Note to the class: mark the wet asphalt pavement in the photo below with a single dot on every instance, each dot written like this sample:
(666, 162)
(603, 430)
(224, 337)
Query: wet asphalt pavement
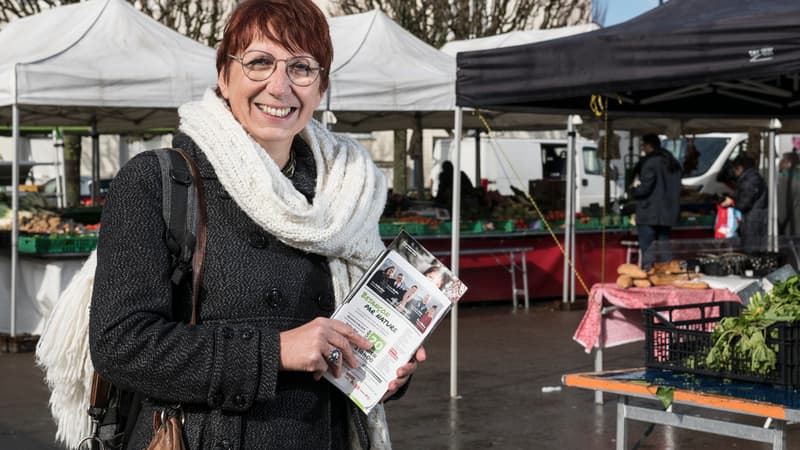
(504, 361)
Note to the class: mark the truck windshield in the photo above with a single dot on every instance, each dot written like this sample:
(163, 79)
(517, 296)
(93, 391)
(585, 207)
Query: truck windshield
(592, 164)
(696, 155)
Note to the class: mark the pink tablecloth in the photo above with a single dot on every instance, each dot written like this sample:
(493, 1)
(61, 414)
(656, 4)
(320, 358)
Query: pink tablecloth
(626, 324)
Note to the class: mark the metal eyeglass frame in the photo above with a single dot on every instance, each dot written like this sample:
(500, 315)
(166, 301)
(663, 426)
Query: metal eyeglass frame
(240, 60)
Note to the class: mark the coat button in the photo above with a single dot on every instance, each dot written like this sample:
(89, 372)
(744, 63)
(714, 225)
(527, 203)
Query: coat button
(274, 297)
(257, 239)
(216, 400)
(247, 334)
(324, 304)
(239, 400)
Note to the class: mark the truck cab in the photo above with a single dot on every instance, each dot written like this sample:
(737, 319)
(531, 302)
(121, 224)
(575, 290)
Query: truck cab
(713, 151)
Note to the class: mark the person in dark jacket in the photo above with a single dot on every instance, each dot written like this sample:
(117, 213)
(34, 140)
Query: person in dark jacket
(292, 216)
(750, 197)
(657, 191)
(789, 194)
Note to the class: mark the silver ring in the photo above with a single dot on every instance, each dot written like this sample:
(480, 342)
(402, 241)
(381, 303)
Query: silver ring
(334, 356)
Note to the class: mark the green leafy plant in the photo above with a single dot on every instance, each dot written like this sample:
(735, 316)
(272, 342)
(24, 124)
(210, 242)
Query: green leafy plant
(742, 340)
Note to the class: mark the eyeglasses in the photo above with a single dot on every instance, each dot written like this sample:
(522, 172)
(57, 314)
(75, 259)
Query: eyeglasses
(258, 66)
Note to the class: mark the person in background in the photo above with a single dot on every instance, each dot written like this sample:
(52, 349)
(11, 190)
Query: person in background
(789, 194)
(292, 218)
(750, 197)
(470, 197)
(657, 190)
(691, 159)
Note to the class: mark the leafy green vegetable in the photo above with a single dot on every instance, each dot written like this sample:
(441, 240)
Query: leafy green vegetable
(665, 394)
(740, 343)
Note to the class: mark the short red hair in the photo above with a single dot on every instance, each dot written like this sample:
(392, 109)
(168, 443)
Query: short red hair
(297, 25)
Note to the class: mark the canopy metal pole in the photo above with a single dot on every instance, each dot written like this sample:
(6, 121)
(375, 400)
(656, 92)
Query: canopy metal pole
(455, 158)
(565, 288)
(14, 217)
(58, 145)
(772, 210)
(574, 206)
(95, 191)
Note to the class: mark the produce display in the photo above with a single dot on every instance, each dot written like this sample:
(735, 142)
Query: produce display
(43, 231)
(506, 213)
(749, 336)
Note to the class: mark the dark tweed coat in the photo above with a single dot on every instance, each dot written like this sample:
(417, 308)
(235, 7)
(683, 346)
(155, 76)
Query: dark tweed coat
(225, 370)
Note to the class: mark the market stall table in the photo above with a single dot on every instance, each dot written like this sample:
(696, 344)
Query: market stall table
(775, 405)
(613, 314)
(514, 262)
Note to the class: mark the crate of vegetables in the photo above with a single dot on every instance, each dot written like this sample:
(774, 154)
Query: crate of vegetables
(757, 343)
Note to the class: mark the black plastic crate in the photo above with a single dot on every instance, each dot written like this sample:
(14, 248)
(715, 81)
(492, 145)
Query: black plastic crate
(678, 338)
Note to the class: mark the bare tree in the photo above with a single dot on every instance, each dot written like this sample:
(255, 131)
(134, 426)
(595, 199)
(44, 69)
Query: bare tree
(201, 20)
(439, 21)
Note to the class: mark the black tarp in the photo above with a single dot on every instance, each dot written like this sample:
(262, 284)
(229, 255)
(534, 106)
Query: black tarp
(686, 58)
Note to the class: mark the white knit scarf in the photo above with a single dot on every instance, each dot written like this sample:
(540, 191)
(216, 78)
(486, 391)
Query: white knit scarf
(342, 221)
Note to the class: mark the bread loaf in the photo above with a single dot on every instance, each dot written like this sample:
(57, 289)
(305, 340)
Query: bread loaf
(663, 279)
(631, 270)
(624, 281)
(673, 266)
(691, 284)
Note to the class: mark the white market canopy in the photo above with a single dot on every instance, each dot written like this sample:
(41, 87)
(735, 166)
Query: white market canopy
(383, 77)
(99, 60)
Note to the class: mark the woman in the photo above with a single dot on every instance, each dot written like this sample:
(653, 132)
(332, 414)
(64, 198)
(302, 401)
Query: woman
(292, 221)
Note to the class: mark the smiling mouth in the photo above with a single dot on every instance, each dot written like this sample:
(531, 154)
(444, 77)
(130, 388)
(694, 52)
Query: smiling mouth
(276, 112)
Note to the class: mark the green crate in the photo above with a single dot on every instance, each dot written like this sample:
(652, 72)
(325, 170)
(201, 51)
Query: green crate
(33, 244)
(505, 225)
(413, 227)
(45, 244)
(85, 244)
(388, 229)
(393, 228)
(440, 228)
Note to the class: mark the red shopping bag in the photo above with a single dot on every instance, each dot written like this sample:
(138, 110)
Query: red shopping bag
(727, 222)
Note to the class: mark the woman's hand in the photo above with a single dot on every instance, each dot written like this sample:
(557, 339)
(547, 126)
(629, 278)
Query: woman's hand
(307, 347)
(404, 373)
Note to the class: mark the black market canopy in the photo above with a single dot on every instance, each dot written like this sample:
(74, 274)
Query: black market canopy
(686, 58)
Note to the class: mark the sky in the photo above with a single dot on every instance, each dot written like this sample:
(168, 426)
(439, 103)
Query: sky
(621, 10)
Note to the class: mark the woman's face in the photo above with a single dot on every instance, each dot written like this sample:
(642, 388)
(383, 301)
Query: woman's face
(271, 111)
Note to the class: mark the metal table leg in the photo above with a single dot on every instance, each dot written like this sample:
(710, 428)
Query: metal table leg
(525, 280)
(622, 428)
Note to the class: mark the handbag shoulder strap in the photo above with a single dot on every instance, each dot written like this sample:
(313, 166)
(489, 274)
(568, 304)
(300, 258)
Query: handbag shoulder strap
(185, 216)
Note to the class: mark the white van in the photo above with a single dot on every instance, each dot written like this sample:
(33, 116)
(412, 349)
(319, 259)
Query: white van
(507, 162)
(714, 150)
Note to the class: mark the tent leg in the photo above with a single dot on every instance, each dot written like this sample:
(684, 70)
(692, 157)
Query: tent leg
(565, 294)
(15, 220)
(456, 231)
